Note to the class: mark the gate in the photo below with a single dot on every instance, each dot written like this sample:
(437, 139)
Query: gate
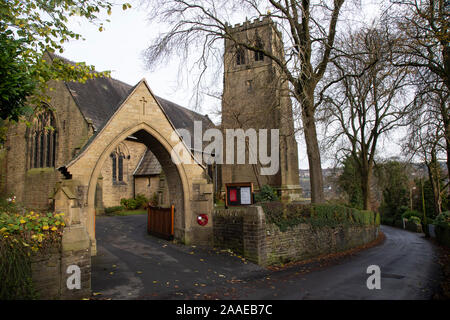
(160, 222)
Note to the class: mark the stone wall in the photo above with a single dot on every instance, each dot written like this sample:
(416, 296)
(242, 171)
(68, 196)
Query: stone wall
(228, 229)
(304, 241)
(242, 230)
(49, 269)
(245, 231)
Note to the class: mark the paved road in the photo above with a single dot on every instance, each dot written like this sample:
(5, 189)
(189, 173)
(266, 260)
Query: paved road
(133, 265)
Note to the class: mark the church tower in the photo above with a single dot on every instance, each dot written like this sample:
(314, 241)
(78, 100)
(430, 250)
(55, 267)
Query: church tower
(256, 96)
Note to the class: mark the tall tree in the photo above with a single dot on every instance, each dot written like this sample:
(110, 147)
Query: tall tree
(308, 28)
(427, 134)
(369, 101)
(424, 26)
(16, 81)
(392, 179)
(28, 29)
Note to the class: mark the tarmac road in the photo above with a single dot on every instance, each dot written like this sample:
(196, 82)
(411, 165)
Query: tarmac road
(130, 264)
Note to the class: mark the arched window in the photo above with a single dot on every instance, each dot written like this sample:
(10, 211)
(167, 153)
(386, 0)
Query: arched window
(114, 166)
(43, 141)
(259, 55)
(240, 56)
(118, 167)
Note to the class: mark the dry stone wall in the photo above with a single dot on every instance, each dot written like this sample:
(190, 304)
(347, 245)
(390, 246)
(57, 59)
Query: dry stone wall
(245, 231)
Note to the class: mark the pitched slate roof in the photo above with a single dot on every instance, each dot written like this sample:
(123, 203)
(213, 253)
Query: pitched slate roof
(148, 165)
(99, 98)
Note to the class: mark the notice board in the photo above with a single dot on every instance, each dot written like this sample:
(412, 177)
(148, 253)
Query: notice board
(239, 194)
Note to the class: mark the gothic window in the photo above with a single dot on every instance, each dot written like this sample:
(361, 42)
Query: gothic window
(120, 169)
(118, 166)
(43, 139)
(114, 166)
(240, 56)
(259, 56)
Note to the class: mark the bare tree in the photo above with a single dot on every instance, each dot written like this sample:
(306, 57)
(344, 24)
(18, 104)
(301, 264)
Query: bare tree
(308, 30)
(427, 137)
(369, 101)
(424, 26)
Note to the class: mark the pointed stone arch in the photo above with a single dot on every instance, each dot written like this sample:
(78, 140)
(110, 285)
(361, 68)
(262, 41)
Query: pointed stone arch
(189, 189)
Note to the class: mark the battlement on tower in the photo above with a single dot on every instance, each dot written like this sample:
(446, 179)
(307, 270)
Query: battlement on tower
(256, 23)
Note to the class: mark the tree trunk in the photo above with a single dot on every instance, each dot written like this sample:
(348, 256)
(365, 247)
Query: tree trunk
(365, 185)
(446, 118)
(433, 173)
(312, 149)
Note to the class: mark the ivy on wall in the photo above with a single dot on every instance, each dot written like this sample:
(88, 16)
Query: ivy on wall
(317, 215)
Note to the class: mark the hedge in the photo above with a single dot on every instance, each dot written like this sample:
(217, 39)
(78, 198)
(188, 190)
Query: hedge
(110, 210)
(288, 215)
(442, 228)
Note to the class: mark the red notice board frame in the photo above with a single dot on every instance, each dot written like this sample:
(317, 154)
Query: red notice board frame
(237, 187)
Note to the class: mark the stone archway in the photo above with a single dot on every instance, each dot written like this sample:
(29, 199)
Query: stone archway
(140, 116)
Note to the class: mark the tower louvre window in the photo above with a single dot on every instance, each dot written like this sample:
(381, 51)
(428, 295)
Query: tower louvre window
(259, 55)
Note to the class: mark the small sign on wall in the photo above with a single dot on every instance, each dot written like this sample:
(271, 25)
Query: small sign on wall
(239, 194)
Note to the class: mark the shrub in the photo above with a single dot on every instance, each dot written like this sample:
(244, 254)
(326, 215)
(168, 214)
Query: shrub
(274, 211)
(154, 201)
(443, 219)
(267, 193)
(414, 219)
(132, 204)
(443, 234)
(113, 209)
(22, 235)
(129, 204)
(141, 201)
(412, 213)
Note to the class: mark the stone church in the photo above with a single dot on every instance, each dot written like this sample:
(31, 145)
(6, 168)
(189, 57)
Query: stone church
(78, 111)
(255, 96)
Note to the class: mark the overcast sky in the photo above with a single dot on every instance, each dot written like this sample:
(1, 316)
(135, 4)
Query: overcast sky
(119, 49)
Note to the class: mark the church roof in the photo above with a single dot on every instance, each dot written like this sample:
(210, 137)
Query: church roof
(99, 98)
(148, 165)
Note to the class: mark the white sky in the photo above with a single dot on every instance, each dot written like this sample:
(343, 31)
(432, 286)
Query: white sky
(119, 49)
